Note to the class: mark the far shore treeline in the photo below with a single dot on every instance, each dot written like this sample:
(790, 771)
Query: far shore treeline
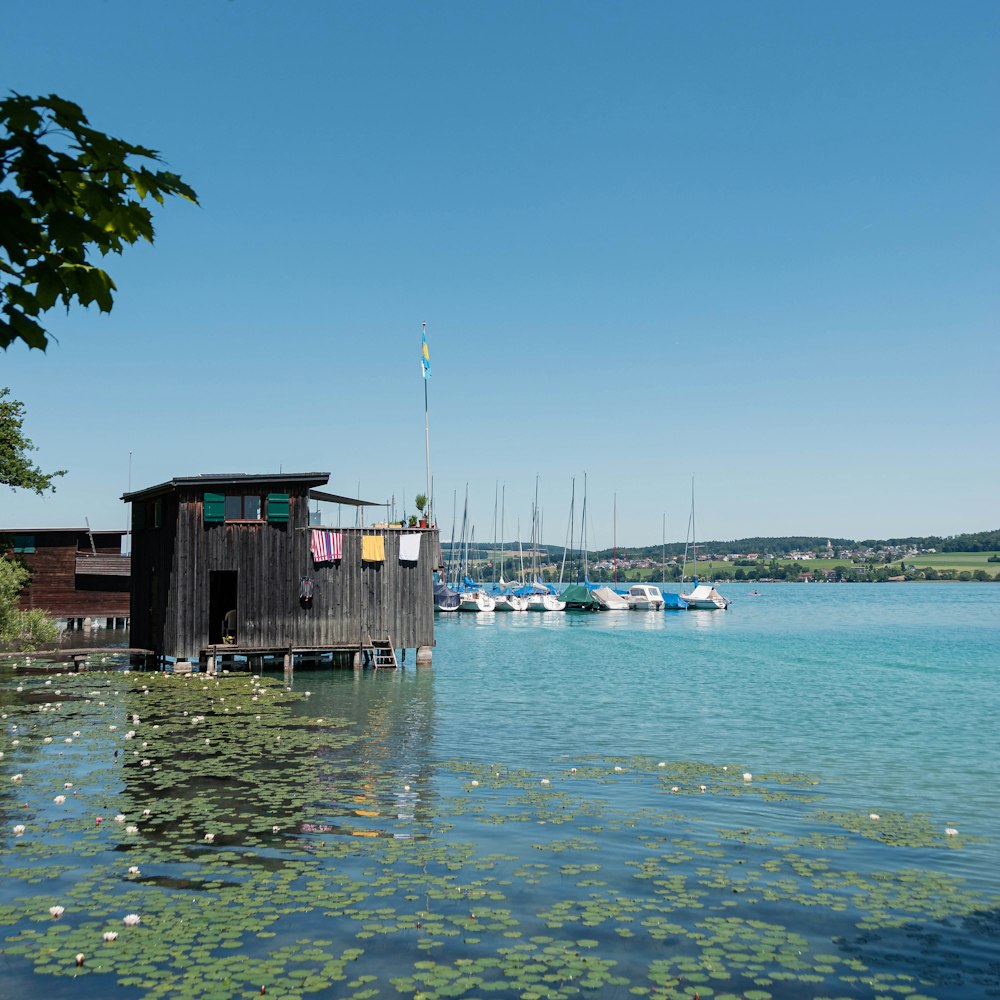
(965, 557)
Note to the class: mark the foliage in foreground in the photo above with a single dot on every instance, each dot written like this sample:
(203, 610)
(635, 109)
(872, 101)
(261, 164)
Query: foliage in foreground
(16, 469)
(67, 192)
(21, 630)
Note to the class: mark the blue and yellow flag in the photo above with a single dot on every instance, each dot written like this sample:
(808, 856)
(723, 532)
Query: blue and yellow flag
(425, 355)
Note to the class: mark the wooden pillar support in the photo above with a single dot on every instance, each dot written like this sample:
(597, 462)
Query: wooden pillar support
(424, 656)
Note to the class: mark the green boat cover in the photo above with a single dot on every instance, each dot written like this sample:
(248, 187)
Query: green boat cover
(577, 596)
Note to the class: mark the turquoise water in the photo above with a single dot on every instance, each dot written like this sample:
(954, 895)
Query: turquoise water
(556, 808)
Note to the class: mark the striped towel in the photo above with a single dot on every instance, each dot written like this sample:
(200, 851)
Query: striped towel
(326, 546)
(373, 548)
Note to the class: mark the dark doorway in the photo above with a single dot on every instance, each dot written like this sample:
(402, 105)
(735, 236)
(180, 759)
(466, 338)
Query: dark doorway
(223, 620)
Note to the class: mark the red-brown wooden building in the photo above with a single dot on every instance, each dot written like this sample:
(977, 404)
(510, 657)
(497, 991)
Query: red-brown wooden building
(75, 573)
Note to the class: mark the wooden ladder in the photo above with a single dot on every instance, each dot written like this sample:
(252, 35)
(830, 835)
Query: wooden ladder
(383, 653)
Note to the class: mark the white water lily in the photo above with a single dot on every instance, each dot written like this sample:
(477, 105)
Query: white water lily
(110, 936)
(874, 817)
(209, 838)
(120, 818)
(474, 783)
(59, 800)
(19, 830)
(56, 911)
(131, 829)
(618, 767)
(16, 777)
(146, 762)
(134, 870)
(131, 919)
(675, 789)
(67, 784)
(704, 788)
(950, 831)
(48, 739)
(662, 763)
(747, 776)
(545, 781)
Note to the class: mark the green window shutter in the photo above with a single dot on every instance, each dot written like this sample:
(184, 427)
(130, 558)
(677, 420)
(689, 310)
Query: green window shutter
(214, 508)
(138, 515)
(277, 508)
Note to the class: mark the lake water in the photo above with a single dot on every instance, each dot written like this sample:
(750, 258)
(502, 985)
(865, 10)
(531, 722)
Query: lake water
(752, 803)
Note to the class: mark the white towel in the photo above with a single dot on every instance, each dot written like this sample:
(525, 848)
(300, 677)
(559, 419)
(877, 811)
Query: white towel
(409, 547)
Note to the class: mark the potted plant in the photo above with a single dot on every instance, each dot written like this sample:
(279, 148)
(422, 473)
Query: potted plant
(413, 520)
(421, 501)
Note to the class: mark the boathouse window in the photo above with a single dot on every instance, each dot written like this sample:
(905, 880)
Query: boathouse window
(24, 543)
(219, 507)
(241, 507)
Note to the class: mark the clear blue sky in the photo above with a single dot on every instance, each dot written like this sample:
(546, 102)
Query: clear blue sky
(752, 243)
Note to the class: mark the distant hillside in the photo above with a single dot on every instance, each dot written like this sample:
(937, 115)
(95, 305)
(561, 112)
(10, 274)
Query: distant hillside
(785, 545)
(980, 541)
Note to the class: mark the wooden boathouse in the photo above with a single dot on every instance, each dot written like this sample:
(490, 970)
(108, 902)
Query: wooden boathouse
(76, 574)
(229, 566)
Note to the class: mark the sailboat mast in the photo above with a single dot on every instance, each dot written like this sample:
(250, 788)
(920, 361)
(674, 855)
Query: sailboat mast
(569, 532)
(425, 365)
(614, 535)
(496, 491)
(694, 533)
(503, 503)
(663, 552)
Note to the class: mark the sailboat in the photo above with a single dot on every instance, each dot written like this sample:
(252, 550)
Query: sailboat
(504, 598)
(609, 598)
(577, 596)
(703, 597)
(471, 596)
(537, 594)
(445, 599)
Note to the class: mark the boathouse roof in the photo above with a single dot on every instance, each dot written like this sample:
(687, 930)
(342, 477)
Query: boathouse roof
(242, 479)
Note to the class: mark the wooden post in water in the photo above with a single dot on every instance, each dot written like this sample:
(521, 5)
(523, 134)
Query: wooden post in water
(424, 656)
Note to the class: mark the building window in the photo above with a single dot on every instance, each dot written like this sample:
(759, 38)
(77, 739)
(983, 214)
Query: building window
(243, 508)
(24, 543)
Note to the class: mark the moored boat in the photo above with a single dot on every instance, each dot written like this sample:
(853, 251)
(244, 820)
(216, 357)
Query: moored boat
(644, 597)
(445, 599)
(578, 597)
(545, 602)
(610, 600)
(705, 597)
(509, 602)
(476, 600)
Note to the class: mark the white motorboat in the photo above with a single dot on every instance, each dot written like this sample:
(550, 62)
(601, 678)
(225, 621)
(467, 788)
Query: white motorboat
(476, 600)
(644, 597)
(609, 600)
(705, 597)
(509, 602)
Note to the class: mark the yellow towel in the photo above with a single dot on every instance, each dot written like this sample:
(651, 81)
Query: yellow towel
(373, 548)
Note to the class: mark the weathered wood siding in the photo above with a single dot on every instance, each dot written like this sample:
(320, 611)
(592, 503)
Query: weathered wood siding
(351, 600)
(60, 584)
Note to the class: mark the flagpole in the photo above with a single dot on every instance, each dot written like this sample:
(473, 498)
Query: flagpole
(427, 424)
